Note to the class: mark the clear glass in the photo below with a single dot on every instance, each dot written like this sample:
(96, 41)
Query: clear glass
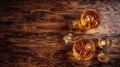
(104, 43)
(103, 56)
(83, 49)
(88, 19)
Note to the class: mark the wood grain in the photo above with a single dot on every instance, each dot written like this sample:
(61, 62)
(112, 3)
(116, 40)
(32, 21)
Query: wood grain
(32, 31)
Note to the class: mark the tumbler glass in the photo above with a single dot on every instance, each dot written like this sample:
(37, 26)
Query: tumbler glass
(83, 49)
(89, 19)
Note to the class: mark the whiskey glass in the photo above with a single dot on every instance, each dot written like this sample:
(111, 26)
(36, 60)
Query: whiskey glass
(83, 49)
(89, 19)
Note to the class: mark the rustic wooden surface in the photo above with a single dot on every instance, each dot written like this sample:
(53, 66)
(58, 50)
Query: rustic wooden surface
(31, 32)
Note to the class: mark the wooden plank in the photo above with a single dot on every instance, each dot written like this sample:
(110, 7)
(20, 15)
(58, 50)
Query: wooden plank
(32, 32)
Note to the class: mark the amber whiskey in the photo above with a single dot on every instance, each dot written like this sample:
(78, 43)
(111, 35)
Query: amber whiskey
(83, 49)
(103, 56)
(104, 43)
(88, 19)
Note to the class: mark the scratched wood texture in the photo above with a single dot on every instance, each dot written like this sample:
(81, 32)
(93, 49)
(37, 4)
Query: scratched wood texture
(31, 32)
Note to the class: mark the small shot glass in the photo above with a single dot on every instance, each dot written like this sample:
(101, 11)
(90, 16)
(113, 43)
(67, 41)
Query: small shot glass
(103, 56)
(104, 43)
(89, 19)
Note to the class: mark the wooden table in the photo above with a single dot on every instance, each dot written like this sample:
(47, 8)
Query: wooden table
(31, 32)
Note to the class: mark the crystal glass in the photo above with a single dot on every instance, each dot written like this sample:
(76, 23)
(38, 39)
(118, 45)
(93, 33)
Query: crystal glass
(103, 56)
(104, 43)
(88, 19)
(83, 49)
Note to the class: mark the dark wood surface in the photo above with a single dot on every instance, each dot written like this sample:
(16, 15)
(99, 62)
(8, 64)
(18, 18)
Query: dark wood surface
(31, 32)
